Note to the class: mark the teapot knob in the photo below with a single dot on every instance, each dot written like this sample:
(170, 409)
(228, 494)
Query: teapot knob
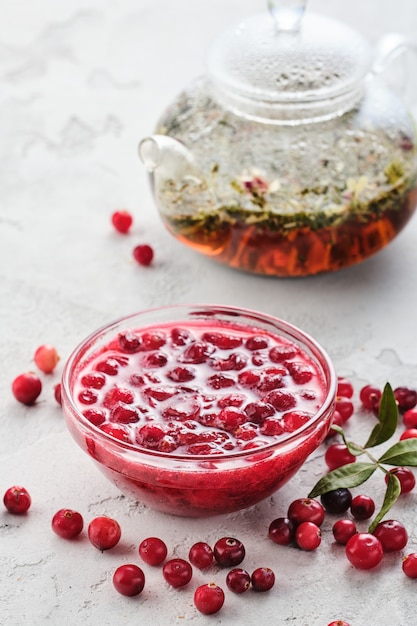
(287, 14)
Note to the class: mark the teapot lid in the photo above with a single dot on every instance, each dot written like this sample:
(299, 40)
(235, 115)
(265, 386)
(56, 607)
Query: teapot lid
(288, 57)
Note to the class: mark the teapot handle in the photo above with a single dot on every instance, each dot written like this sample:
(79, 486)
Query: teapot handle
(390, 47)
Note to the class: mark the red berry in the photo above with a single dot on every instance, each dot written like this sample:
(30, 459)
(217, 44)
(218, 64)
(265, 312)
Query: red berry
(129, 580)
(153, 550)
(229, 552)
(263, 579)
(122, 221)
(46, 358)
(201, 555)
(57, 393)
(409, 565)
(67, 523)
(410, 433)
(410, 418)
(392, 534)
(370, 396)
(406, 398)
(26, 388)
(238, 580)
(362, 507)
(344, 388)
(338, 455)
(281, 531)
(338, 622)
(336, 421)
(344, 407)
(405, 476)
(104, 533)
(143, 254)
(337, 500)
(364, 551)
(306, 510)
(307, 536)
(17, 500)
(177, 572)
(209, 598)
(343, 530)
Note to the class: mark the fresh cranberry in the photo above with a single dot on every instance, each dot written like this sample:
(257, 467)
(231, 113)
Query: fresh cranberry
(129, 580)
(410, 433)
(410, 418)
(67, 523)
(143, 254)
(201, 555)
(209, 598)
(306, 510)
(46, 358)
(406, 478)
(344, 407)
(153, 550)
(338, 622)
(238, 580)
(344, 388)
(262, 579)
(406, 398)
(409, 565)
(177, 572)
(17, 500)
(307, 536)
(122, 221)
(364, 551)
(104, 533)
(370, 396)
(362, 507)
(392, 535)
(337, 500)
(26, 388)
(281, 531)
(338, 455)
(58, 393)
(343, 530)
(229, 551)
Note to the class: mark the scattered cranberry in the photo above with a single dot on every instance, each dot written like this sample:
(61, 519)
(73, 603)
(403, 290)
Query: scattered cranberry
(209, 598)
(308, 536)
(362, 507)
(17, 500)
(143, 254)
(410, 433)
(122, 221)
(153, 550)
(344, 407)
(338, 622)
(406, 398)
(104, 533)
(336, 501)
(46, 358)
(67, 523)
(409, 565)
(410, 418)
(262, 579)
(344, 388)
(238, 580)
(338, 455)
(26, 388)
(392, 535)
(406, 478)
(281, 531)
(129, 580)
(364, 551)
(370, 396)
(229, 552)
(201, 555)
(177, 572)
(343, 530)
(306, 510)
(57, 393)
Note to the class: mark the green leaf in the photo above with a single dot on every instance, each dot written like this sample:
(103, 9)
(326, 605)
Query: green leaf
(350, 475)
(391, 495)
(401, 453)
(387, 419)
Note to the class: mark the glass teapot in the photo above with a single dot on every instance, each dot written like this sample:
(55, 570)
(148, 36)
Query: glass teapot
(292, 156)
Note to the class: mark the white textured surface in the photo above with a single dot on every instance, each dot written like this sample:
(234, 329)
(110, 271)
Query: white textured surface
(80, 83)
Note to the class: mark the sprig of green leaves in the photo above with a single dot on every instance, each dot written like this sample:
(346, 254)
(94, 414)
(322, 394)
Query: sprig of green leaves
(402, 453)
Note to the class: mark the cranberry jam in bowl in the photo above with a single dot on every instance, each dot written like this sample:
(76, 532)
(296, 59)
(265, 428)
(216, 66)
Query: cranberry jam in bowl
(199, 410)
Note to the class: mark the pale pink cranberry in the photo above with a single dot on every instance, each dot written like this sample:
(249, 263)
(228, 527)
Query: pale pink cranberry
(46, 358)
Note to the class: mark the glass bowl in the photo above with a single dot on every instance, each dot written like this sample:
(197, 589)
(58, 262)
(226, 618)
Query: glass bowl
(136, 372)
